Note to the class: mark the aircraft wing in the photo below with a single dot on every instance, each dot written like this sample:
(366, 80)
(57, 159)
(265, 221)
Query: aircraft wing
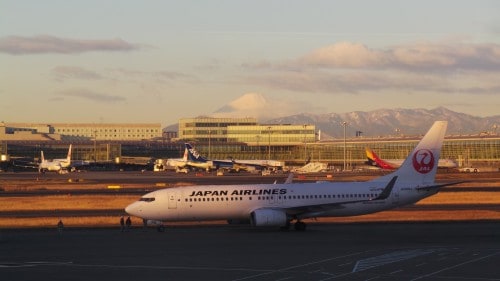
(437, 186)
(386, 192)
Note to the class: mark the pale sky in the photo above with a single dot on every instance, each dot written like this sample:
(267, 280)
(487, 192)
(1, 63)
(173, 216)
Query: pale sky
(158, 61)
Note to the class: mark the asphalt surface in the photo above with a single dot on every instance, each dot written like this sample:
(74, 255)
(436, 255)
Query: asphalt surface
(333, 251)
(370, 251)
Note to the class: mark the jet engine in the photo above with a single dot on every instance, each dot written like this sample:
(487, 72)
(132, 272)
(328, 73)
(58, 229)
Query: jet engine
(268, 217)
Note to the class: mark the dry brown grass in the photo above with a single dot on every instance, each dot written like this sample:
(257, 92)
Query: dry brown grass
(118, 201)
(463, 198)
(66, 202)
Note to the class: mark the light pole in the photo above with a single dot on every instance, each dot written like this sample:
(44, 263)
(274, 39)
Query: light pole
(258, 145)
(344, 124)
(209, 139)
(305, 143)
(95, 145)
(269, 143)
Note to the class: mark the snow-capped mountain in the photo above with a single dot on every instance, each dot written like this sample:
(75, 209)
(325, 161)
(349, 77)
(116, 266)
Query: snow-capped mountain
(385, 122)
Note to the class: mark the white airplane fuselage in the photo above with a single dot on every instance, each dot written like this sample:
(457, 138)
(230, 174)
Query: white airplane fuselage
(237, 202)
(279, 204)
(55, 165)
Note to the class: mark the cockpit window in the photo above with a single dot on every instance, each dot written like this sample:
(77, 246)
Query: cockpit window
(147, 199)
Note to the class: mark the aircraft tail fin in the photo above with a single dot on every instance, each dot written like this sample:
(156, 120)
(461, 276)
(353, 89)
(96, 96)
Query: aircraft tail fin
(185, 156)
(42, 158)
(421, 165)
(68, 157)
(373, 157)
(193, 155)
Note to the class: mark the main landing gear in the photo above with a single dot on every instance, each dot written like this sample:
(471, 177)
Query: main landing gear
(298, 226)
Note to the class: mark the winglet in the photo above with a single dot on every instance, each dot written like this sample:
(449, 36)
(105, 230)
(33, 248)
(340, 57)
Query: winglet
(387, 190)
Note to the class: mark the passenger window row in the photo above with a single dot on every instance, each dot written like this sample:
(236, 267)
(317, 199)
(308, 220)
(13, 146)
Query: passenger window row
(285, 197)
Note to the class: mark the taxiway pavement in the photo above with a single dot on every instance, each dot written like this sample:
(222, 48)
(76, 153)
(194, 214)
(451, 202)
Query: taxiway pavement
(367, 251)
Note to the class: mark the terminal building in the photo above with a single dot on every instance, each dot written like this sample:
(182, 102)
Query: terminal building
(224, 138)
(80, 131)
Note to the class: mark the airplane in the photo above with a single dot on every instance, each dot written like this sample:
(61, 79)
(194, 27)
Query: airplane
(180, 164)
(198, 161)
(193, 160)
(393, 164)
(56, 165)
(277, 205)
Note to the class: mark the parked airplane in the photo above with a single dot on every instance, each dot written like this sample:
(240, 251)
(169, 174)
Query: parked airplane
(193, 160)
(180, 164)
(55, 165)
(374, 160)
(235, 165)
(279, 205)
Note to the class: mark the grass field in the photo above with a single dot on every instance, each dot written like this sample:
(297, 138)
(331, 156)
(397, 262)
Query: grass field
(45, 210)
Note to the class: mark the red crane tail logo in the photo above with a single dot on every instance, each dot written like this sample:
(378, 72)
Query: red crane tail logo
(423, 161)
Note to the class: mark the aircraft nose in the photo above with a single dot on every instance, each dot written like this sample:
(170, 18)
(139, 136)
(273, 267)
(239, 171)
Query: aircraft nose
(133, 209)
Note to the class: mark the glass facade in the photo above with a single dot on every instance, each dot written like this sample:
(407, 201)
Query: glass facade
(207, 129)
(83, 131)
(272, 134)
(467, 152)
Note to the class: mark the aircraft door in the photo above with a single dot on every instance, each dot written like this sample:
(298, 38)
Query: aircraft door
(172, 200)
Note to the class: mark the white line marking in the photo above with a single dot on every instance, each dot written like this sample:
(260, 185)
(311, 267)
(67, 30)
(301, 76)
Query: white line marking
(298, 266)
(457, 265)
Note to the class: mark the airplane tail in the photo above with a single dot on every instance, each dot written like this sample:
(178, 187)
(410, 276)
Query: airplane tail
(421, 165)
(373, 158)
(42, 158)
(193, 155)
(68, 157)
(185, 156)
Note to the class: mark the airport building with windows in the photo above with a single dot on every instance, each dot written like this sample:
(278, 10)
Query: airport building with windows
(238, 138)
(222, 138)
(56, 131)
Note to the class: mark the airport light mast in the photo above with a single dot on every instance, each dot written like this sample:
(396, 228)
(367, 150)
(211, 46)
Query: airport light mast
(269, 143)
(344, 124)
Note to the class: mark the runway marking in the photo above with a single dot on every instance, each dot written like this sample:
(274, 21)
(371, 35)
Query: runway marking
(32, 264)
(298, 266)
(394, 272)
(170, 267)
(454, 266)
(389, 258)
(49, 263)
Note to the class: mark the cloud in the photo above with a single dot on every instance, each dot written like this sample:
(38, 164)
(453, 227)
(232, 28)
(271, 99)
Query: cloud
(348, 81)
(45, 44)
(157, 76)
(416, 57)
(92, 96)
(355, 68)
(171, 76)
(61, 73)
(261, 107)
(344, 55)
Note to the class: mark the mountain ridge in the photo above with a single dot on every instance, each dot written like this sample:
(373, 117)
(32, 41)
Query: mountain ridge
(385, 122)
(399, 121)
